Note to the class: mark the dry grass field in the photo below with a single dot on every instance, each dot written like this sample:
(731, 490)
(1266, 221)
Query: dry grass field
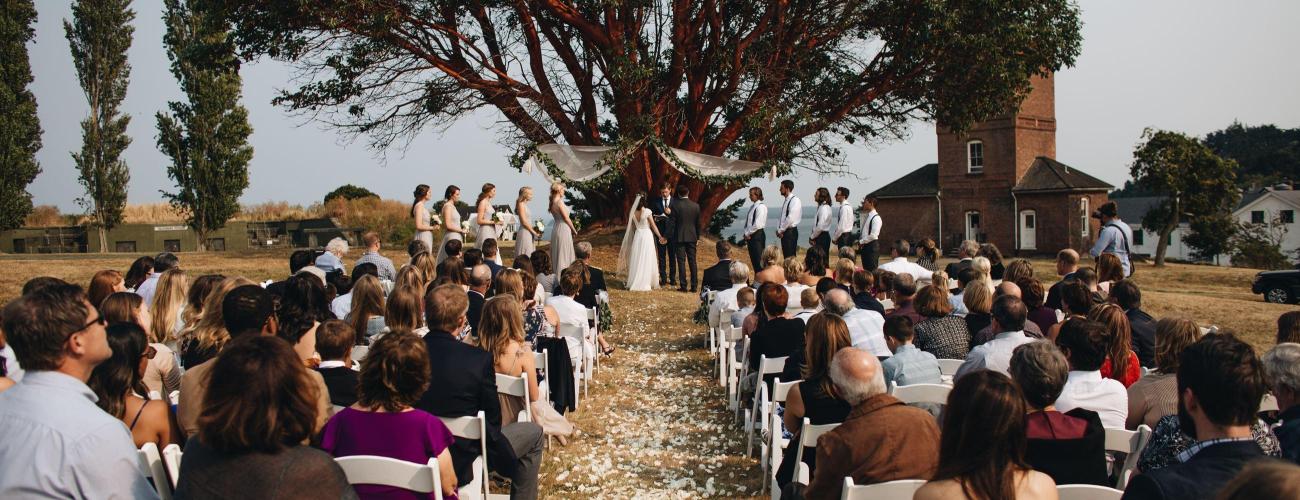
(654, 423)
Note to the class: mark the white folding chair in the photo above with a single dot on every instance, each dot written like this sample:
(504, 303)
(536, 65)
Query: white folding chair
(172, 460)
(1269, 403)
(718, 332)
(948, 368)
(542, 361)
(920, 393)
(887, 304)
(774, 447)
(808, 434)
(517, 387)
(737, 368)
(151, 464)
(727, 337)
(755, 422)
(385, 471)
(901, 489)
(359, 353)
(584, 359)
(1131, 443)
(472, 428)
(1087, 492)
(593, 318)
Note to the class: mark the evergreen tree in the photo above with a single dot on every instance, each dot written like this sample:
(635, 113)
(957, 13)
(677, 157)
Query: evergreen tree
(20, 129)
(99, 35)
(1195, 182)
(206, 137)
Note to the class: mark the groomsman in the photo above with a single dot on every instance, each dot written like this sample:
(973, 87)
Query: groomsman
(821, 232)
(686, 224)
(787, 228)
(661, 213)
(843, 223)
(755, 236)
(869, 243)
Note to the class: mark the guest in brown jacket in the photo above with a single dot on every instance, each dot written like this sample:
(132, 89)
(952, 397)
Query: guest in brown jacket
(881, 440)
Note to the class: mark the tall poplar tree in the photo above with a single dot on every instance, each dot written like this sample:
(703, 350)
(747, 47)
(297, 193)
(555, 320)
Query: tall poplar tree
(207, 136)
(99, 35)
(20, 129)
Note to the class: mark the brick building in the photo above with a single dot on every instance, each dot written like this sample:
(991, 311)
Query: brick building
(998, 182)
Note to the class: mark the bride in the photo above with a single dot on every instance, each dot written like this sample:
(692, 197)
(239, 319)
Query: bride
(637, 255)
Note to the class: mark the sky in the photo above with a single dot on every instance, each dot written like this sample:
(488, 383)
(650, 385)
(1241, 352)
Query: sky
(1189, 65)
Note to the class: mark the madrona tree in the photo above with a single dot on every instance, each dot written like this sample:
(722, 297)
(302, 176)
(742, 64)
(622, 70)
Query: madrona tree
(787, 83)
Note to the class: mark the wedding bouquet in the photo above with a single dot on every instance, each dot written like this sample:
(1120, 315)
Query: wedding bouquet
(496, 217)
(465, 226)
(435, 220)
(539, 226)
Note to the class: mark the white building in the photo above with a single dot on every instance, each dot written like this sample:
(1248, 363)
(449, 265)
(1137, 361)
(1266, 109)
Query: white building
(1131, 211)
(1278, 203)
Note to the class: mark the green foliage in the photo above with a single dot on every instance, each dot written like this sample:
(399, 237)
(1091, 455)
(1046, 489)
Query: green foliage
(725, 216)
(349, 192)
(1260, 245)
(1196, 182)
(20, 129)
(1211, 235)
(206, 137)
(99, 36)
(1266, 154)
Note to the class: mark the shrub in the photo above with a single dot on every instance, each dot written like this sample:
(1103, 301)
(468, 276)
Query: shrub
(390, 218)
(350, 192)
(1260, 246)
(45, 216)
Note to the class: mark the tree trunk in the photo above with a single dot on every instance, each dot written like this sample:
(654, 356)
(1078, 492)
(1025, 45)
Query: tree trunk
(103, 239)
(202, 244)
(1162, 246)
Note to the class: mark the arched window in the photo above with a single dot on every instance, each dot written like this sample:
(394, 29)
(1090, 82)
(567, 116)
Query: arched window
(975, 157)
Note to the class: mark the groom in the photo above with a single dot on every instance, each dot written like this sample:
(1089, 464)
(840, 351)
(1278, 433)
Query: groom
(685, 215)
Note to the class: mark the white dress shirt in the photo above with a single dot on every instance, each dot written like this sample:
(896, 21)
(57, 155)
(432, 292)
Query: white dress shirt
(901, 265)
(844, 223)
(341, 306)
(794, 292)
(993, 355)
(572, 313)
(724, 301)
(870, 227)
(757, 219)
(822, 223)
(867, 331)
(791, 212)
(1088, 390)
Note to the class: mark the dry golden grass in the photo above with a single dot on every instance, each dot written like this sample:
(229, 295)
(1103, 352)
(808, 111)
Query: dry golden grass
(151, 213)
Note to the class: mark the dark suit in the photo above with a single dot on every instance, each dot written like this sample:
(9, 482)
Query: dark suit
(1201, 476)
(718, 277)
(463, 383)
(667, 256)
(952, 269)
(475, 311)
(596, 283)
(1054, 292)
(686, 222)
(493, 266)
(342, 383)
(1143, 328)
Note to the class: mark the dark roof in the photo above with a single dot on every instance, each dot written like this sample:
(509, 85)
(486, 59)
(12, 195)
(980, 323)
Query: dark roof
(1133, 209)
(1048, 175)
(921, 182)
(1249, 197)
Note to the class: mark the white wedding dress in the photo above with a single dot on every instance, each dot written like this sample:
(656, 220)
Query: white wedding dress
(639, 250)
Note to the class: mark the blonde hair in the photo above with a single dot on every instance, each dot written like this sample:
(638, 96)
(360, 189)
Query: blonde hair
(771, 256)
(1173, 335)
(510, 282)
(403, 312)
(793, 269)
(168, 300)
(367, 301)
(523, 191)
(502, 322)
(410, 276)
(977, 297)
(556, 188)
(426, 263)
(982, 268)
(210, 330)
(844, 269)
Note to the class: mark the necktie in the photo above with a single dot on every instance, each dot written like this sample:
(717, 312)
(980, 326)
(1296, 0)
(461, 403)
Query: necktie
(753, 212)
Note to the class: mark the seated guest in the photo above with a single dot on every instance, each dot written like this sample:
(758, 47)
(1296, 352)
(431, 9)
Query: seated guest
(334, 341)
(367, 311)
(257, 414)
(593, 277)
(815, 266)
(137, 273)
(904, 440)
(1220, 383)
(745, 305)
(978, 300)
(462, 383)
(382, 421)
(416, 246)
(491, 254)
(982, 451)
(56, 441)
(162, 263)
(781, 335)
(480, 279)
(404, 312)
(298, 328)
(1155, 395)
(1076, 301)
(1007, 289)
(810, 304)
(384, 265)
(1009, 321)
(571, 313)
(996, 267)
(1288, 327)
(103, 284)
(844, 270)
(966, 251)
(903, 289)
(958, 297)
(814, 396)
(452, 248)
(161, 375)
(773, 270)
(542, 270)
(1168, 442)
(298, 260)
(1033, 294)
(332, 259)
(119, 381)
(927, 254)
(341, 306)
(863, 298)
(899, 264)
(1084, 344)
(794, 276)
(453, 269)
(1121, 362)
(1264, 479)
(1017, 270)
(203, 339)
(1067, 263)
(1069, 447)
(908, 365)
(825, 285)
(472, 257)
(502, 335)
(1282, 367)
(539, 319)
(1128, 296)
(724, 301)
(718, 276)
(940, 333)
(866, 327)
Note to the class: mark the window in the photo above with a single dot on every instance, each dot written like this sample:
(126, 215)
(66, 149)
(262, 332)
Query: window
(216, 244)
(20, 245)
(975, 157)
(171, 245)
(124, 247)
(1256, 216)
(1288, 216)
(1138, 237)
(1029, 220)
(1083, 218)
(1169, 240)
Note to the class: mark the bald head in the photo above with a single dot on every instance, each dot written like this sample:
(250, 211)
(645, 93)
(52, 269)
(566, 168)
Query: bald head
(857, 375)
(479, 277)
(838, 302)
(1007, 288)
(1067, 261)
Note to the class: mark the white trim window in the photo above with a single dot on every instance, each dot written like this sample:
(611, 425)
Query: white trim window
(975, 157)
(1084, 216)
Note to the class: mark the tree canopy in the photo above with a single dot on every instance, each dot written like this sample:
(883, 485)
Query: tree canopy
(786, 83)
(1195, 182)
(349, 192)
(1266, 154)
(20, 129)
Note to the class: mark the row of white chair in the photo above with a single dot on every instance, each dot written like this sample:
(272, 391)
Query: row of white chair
(904, 489)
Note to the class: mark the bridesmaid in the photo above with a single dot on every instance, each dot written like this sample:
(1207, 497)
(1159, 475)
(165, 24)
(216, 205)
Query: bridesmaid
(450, 221)
(423, 227)
(487, 228)
(562, 231)
(526, 234)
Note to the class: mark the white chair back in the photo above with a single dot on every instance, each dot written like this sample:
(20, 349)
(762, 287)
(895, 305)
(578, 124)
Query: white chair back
(581, 372)
(902, 489)
(517, 387)
(775, 445)
(808, 434)
(887, 304)
(1269, 403)
(472, 428)
(754, 416)
(172, 460)
(543, 363)
(151, 464)
(1087, 492)
(948, 367)
(385, 471)
(1131, 443)
(920, 393)
(359, 352)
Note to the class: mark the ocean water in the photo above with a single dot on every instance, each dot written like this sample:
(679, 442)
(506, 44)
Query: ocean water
(774, 216)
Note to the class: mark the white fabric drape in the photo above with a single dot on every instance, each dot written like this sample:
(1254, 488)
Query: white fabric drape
(582, 163)
(714, 166)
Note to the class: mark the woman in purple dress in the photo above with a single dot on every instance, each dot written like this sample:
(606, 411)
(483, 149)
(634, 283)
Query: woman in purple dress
(382, 422)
